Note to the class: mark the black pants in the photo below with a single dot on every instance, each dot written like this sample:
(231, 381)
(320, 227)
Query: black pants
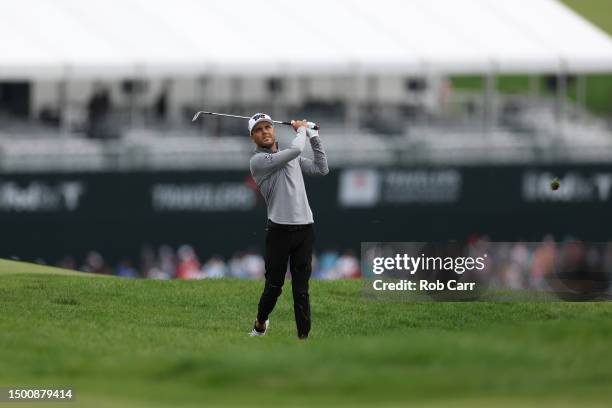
(293, 244)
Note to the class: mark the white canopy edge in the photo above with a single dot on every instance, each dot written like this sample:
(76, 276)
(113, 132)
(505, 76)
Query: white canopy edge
(43, 39)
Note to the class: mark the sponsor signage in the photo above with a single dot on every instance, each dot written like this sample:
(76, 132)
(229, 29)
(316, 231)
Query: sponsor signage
(202, 197)
(575, 186)
(370, 187)
(39, 196)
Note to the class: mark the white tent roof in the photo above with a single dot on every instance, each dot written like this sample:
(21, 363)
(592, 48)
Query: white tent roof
(112, 38)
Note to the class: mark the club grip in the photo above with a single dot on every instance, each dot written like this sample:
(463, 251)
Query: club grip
(311, 125)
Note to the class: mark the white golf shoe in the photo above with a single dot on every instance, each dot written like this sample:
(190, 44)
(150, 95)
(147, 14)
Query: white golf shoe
(257, 333)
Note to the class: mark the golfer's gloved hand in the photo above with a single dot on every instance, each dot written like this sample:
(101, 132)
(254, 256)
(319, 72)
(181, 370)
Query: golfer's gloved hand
(310, 132)
(298, 124)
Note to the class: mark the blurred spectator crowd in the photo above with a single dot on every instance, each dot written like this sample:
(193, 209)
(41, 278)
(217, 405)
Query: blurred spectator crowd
(184, 263)
(529, 265)
(510, 265)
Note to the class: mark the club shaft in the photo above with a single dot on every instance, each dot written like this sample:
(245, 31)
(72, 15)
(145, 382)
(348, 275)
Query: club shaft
(219, 114)
(197, 115)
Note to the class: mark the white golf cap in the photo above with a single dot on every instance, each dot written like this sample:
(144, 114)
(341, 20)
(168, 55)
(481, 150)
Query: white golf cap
(257, 118)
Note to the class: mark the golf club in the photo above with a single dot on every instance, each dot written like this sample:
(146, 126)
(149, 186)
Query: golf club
(311, 125)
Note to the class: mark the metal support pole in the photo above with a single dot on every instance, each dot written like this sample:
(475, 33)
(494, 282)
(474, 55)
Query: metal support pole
(202, 88)
(237, 97)
(534, 88)
(63, 106)
(305, 88)
(489, 102)
(581, 94)
(352, 113)
(561, 106)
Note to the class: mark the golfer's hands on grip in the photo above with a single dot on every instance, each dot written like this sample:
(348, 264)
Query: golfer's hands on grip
(304, 123)
(299, 123)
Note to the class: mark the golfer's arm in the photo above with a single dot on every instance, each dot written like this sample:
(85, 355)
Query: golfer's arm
(318, 166)
(266, 163)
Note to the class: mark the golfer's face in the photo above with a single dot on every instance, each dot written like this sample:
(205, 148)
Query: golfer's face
(263, 134)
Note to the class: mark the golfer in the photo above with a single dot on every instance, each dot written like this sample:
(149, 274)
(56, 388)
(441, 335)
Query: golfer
(290, 235)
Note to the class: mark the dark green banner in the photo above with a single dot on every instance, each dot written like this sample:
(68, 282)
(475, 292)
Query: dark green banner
(51, 215)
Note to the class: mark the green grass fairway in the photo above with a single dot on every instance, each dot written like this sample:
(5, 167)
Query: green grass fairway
(599, 12)
(145, 343)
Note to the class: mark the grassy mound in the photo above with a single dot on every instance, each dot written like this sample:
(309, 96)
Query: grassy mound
(122, 342)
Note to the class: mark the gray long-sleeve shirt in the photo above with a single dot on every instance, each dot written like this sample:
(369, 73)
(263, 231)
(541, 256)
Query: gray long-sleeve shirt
(279, 178)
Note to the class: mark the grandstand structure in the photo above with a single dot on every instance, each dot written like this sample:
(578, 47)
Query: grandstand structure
(379, 86)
